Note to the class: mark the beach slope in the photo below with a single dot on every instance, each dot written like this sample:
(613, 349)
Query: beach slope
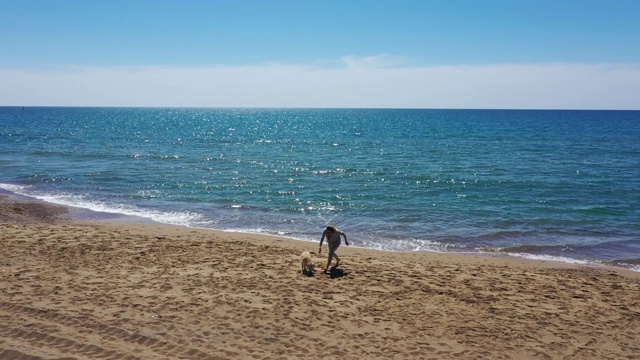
(120, 290)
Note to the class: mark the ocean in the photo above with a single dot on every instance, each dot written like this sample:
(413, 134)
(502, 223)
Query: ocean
(549, 185)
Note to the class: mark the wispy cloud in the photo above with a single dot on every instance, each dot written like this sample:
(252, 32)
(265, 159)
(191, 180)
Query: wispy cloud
(377, 81)
(376, 61)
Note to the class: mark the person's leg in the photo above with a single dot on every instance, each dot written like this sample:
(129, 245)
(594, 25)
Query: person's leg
(328, 260)
(332, 254)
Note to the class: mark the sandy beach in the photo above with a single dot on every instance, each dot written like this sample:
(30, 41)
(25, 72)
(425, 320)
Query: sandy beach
(122, 290)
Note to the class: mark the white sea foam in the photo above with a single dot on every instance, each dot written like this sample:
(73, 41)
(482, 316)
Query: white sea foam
(17, 189)
(406, 245)
(261, 231)
(560, 259)
(185, 218)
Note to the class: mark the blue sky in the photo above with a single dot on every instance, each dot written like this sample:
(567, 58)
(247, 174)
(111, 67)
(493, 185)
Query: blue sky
(349, 53)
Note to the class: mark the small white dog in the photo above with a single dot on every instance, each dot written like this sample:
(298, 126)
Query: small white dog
(307, 264)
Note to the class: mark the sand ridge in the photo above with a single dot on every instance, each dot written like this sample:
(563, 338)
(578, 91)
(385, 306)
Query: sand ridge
(88, 290)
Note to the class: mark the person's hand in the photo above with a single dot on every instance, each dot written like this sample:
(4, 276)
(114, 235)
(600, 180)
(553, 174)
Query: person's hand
(320, 249)
(346, 242)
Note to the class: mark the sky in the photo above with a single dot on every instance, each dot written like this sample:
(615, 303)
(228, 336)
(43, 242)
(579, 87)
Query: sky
(480, 54)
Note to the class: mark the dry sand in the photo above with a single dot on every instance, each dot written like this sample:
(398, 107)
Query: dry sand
(109, 290)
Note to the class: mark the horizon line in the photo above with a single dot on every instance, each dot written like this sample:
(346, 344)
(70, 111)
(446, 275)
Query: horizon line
(299, 108)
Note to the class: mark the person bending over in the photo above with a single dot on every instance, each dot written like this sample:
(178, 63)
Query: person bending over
(334, 237)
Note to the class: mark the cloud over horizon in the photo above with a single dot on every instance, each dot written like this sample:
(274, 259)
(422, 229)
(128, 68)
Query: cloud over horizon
(369, 82)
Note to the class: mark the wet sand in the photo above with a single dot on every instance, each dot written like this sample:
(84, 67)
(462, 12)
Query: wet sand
(121, 290)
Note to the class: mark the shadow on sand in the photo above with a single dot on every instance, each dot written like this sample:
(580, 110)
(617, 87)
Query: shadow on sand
(308, 273)
(335, 272)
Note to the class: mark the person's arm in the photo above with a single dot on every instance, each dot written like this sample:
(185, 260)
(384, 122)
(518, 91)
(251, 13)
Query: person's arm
(345, 238)
(321, 239)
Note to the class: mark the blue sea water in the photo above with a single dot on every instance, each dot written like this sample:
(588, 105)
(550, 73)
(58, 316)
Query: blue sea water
(557, 185)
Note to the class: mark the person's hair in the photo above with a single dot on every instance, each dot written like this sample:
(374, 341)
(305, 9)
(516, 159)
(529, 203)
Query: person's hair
(331, 228)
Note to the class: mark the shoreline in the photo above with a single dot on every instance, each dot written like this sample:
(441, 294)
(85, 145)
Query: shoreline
(88, 215)
(104, 289)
